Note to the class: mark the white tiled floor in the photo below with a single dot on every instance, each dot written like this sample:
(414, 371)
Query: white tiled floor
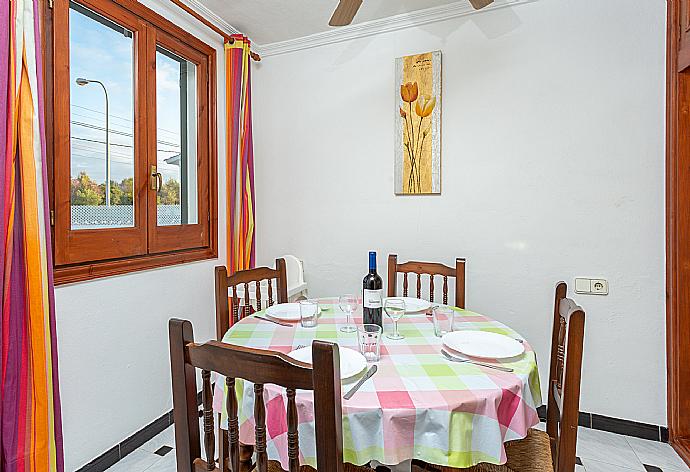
(599, 451)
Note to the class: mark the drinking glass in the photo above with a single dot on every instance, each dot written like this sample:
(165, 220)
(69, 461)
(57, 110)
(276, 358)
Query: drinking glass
(348, 303)
(443, 320)
(369, 337)
(308, 311)
(395, 309)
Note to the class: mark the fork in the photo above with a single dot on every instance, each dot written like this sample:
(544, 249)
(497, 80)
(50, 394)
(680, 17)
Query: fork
(470, 361)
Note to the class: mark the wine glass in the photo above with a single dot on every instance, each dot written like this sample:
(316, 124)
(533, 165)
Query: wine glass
(348, 303)
(395, 309)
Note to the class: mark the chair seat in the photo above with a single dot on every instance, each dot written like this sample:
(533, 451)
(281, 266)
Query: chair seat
(532, 454)
(274, 466)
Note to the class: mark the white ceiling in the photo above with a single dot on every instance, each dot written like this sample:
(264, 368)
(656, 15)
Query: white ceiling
(270, 21)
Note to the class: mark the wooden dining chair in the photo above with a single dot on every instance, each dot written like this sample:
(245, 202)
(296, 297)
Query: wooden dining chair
(432, 269)
(555, 449)
(250, 283)
(260, 367)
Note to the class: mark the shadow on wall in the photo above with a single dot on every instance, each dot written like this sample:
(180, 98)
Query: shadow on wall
(499, 22)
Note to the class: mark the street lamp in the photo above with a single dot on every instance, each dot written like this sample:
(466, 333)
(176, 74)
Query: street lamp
(80, 81)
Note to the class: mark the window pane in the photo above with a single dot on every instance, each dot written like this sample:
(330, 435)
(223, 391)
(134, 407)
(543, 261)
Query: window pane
(176, 109)
(101, 121)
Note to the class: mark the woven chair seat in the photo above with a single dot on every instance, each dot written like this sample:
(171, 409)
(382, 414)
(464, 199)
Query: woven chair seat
(532, 454)
(274, 466)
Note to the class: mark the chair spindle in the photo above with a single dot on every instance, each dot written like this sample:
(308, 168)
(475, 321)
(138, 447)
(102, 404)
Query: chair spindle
(247, 303)
(293, 438)
(258, 296)
(445, 290)
(560, 354)
(419, 285)
(209, 439)
(233, 424)
(260, 428)
(405, 285)
(431, 288)
(235, 303)
(270, 292)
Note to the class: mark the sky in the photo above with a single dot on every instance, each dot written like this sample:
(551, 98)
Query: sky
(98, 52)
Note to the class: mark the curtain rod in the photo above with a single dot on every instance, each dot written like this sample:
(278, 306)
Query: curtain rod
(196, 15)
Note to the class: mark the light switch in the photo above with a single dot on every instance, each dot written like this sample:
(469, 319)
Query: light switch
(582, 285)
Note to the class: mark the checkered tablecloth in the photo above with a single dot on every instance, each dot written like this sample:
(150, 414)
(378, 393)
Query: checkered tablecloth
(418, 405)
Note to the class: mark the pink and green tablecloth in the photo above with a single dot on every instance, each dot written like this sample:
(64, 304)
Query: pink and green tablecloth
(418, 405)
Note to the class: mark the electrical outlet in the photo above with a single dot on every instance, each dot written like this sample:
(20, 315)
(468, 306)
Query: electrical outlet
(599, 287)
(589, 286)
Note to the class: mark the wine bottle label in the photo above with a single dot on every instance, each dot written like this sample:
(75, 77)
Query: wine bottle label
(373, 298)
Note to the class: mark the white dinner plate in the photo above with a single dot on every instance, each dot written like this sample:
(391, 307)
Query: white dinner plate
(483, 344)
(351, 361)
(414, 305)
(285, 311)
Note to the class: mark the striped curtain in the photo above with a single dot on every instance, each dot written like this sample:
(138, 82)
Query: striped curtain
(30, 423)
(240, 155)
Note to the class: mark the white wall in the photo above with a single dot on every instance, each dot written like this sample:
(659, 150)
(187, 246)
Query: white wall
(552, 167)
(113, 332)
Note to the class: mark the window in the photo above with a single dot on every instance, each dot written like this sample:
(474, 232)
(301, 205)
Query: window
(132, 108)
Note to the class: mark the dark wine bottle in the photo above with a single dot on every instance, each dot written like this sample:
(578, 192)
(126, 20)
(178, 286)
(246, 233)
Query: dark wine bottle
(372, 295)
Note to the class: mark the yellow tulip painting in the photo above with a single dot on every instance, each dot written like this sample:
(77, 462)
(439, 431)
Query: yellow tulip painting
(418, 118)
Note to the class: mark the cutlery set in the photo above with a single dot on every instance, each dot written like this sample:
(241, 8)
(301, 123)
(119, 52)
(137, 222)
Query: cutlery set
(453, 358)
(373, 369)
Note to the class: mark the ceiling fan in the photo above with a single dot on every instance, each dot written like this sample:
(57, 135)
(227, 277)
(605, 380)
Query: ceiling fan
(347, 9)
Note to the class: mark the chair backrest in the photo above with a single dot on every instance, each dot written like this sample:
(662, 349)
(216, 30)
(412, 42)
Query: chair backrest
(233, 306)
(431, 269)
(563, 404)
(260, 367)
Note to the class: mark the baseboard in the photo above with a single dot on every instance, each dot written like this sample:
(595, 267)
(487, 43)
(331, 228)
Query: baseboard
(135, 441)
(616, 425)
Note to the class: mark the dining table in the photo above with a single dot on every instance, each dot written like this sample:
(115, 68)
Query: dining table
(418, 405)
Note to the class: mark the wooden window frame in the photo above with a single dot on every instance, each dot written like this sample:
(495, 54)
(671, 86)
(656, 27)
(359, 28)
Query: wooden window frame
(81, 255)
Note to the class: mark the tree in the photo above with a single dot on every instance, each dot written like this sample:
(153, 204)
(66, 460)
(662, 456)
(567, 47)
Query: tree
(170, 193)
(85, 191)
(127, 186)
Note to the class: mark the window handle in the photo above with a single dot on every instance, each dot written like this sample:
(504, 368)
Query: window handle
(156, 179)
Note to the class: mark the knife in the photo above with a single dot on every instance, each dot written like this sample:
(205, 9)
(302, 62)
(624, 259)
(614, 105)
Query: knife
(353, 390)
(273, 321)
(483, 364)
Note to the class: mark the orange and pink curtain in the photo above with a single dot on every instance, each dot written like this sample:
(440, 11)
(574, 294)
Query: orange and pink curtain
(30, 423)
(240, 155)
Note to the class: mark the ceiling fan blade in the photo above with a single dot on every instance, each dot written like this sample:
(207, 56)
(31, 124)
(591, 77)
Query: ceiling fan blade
(479, 4)
(345, 12)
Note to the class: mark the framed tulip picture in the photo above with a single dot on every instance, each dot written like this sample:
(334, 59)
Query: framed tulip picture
(418, 124)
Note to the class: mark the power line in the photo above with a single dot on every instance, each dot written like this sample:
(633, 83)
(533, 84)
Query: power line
(119, 133)
(115, 144)
(120, 118)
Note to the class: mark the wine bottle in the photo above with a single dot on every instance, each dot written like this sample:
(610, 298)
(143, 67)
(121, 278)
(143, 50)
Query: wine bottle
(372, 296)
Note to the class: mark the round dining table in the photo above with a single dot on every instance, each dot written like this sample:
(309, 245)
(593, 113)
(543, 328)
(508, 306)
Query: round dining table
(418, 405)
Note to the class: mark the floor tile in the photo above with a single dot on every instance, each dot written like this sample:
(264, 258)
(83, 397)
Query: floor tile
(165, 438)
(166, 463)
(137, 461)
(604, 447)
(657, 453)
(597, 466)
